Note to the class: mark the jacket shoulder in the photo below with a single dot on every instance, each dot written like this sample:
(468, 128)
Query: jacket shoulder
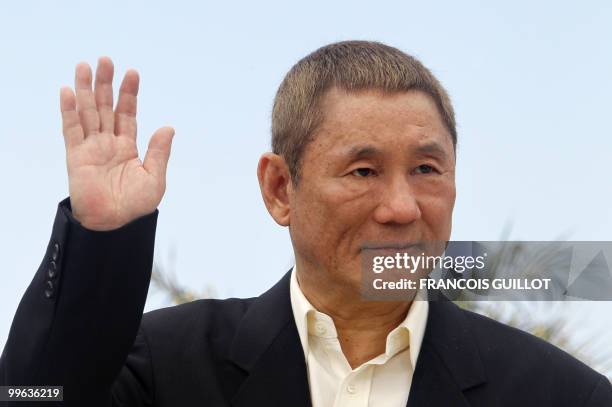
(509, 352)
(195, 319)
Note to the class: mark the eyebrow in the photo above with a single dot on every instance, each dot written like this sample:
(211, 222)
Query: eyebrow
(359, 152)
(431, 148)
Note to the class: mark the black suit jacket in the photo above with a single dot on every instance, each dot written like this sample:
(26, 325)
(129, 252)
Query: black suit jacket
(80, 325)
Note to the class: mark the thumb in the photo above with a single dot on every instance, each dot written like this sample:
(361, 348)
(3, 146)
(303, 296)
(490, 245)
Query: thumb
(158, 153)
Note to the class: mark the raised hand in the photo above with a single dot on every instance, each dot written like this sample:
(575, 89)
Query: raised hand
(109, 185)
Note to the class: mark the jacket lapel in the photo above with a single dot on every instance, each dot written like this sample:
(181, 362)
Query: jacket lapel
(267, 347)
(449, 365)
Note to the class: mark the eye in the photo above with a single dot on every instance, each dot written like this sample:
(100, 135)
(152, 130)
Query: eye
(425, 169)
(363, 172)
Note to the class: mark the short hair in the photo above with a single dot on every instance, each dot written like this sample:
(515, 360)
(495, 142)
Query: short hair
(351, 66)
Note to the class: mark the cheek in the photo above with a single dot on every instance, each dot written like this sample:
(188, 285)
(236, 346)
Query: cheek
(311, 225)
(327, 217)
(437, 210)
(353, 198)
(349, 205)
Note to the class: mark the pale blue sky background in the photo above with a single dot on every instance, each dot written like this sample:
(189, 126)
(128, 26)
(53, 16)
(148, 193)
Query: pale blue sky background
(531, 83)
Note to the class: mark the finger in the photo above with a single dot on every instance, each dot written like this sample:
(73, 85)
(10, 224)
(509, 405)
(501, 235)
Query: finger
(125, 113)
(86, 103)
(158, 153)
(104, 94)
(71, 123)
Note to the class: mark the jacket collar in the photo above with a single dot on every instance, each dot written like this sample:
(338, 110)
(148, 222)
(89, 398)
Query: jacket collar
(268, 348)
(449, 365)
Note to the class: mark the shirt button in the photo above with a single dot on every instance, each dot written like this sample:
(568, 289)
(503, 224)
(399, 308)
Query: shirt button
(320, 328)
(351, 388)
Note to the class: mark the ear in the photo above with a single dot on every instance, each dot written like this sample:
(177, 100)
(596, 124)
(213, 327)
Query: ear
(275, 185)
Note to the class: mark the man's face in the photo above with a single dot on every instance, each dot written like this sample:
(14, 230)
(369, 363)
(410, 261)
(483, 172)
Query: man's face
(380, 169)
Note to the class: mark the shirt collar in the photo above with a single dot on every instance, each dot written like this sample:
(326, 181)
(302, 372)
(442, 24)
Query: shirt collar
(408, 333)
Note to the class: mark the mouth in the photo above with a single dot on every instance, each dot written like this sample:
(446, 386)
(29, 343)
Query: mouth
(391, 247)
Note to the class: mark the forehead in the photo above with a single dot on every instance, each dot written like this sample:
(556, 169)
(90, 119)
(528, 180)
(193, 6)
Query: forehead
(373, 112)
(375, 125)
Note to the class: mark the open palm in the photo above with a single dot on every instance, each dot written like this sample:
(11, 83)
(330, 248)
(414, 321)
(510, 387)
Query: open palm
(109, 185)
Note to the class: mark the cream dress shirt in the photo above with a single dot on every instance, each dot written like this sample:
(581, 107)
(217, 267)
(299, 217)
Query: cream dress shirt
(383, 381)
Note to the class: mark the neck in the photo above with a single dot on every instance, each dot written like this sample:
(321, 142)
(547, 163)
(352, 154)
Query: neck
(362, 326)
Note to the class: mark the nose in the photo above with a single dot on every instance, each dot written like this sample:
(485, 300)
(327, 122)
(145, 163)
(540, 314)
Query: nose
(398, 203)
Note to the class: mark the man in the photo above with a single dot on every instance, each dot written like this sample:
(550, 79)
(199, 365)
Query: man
(363, 140)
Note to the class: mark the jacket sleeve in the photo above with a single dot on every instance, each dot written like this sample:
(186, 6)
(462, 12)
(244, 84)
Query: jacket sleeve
(78, 320)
